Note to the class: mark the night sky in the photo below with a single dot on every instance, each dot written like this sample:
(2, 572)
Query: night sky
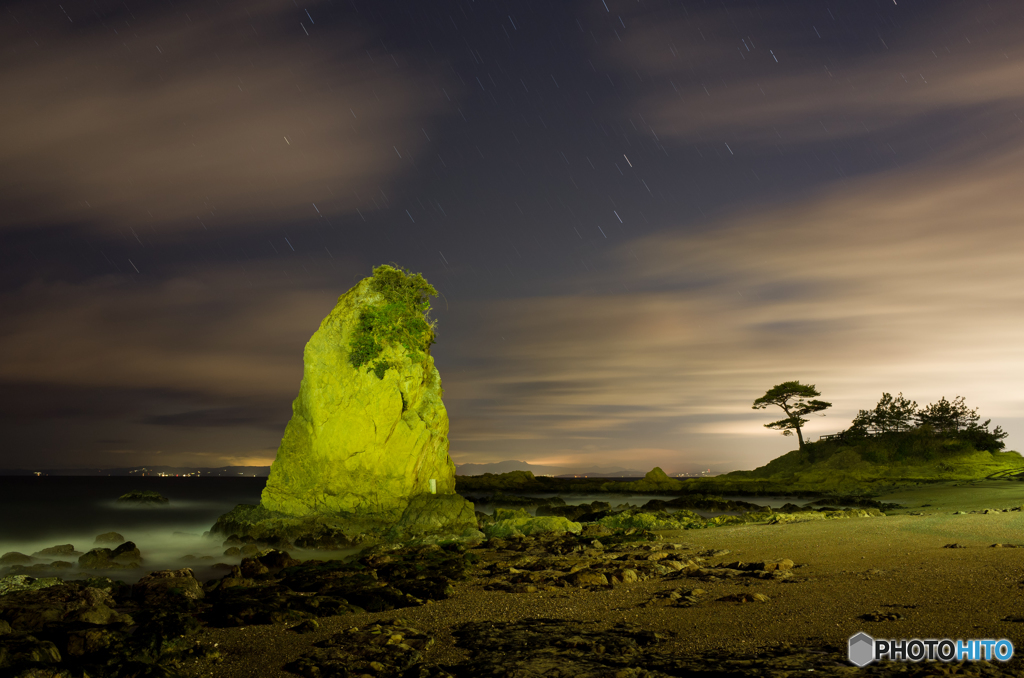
(640, 215)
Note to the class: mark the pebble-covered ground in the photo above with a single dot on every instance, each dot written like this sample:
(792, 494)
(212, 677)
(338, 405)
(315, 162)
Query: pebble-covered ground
(768, 600)
(889, 577)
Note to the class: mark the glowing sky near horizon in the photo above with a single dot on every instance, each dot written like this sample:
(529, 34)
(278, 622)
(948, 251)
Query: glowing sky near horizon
(640, 218)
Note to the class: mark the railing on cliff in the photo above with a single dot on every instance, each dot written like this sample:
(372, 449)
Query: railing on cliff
(843, 435)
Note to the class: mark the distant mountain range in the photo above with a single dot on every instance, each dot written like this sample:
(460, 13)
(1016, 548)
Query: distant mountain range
(537, 470)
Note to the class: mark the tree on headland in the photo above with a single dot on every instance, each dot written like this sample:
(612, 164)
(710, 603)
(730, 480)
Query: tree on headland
(795, 400)
(891, 415)
(956, 420)
(948, 420)
(948, 417)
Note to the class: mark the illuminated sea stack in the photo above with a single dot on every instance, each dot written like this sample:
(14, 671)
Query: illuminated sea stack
(366, 449)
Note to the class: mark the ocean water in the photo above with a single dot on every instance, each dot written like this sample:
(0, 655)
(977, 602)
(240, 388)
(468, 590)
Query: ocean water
(39, 512)
(44, 511)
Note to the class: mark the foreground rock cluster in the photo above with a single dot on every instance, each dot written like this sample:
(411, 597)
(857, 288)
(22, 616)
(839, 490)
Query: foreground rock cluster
(556, 648)
(101, 627)
(158, 626)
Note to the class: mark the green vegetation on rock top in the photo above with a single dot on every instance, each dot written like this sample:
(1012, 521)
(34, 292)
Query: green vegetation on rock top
(402, 319)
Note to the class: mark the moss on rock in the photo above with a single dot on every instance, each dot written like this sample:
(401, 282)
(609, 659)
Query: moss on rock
(658, 520)
(514, 527)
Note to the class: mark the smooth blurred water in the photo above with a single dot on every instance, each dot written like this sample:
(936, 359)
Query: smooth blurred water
(44, 511)
(37, 512)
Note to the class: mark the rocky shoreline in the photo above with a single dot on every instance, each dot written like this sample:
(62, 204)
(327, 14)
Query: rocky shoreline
(169, 622)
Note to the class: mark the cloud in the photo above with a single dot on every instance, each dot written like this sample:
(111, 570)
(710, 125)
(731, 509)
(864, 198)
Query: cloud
(221, 417)
(204, 335)
(212, 114)
(904, 281)
(710, 74)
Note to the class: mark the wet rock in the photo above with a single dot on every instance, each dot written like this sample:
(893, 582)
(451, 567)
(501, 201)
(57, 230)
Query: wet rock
(877, 616)
(386, 648)
(33, 610)
(307, 626)
(436, 515)
(573, 513)
(510, 514)
(15, 558)
(125, 557)
(275, 559)
(954, 546)
(167, 588)
(597, 530)
(680, 597)
(109, 538)
(800, 517)
(233, 551)
(21, 582)
(530, 526)
(550, 647)
(624, 575)
(62, 550)
(24, 651)
(776, 568)
(386, 578)
(646, 520)
(90, 640)
(143, 497)
(502, 499)
(745, 598)
(587, 578)
(252, 568)
(162, 640)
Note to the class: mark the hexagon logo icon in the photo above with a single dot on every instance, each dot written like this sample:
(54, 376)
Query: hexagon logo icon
(861, 649)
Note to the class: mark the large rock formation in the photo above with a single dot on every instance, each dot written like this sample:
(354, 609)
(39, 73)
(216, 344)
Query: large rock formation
(368, 435)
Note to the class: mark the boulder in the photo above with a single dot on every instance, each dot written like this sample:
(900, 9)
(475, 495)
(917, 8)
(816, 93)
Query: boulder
(160, 588)
(61, 550)
(510, 514)
(655, 480)
(125, 557)
(15, 558)
(587, 578)
(435, 514)
(36, 609)
(109, 538)
(367, 445)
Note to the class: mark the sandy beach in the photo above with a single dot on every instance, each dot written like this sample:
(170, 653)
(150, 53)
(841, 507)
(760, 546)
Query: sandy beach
(897, 567)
